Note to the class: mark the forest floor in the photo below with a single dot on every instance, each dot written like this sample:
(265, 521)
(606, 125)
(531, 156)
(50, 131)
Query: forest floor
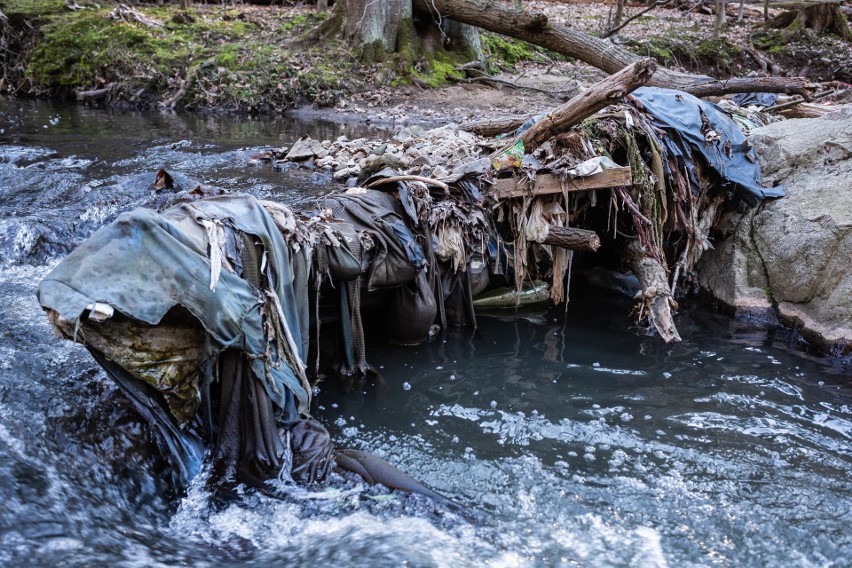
(244, 58)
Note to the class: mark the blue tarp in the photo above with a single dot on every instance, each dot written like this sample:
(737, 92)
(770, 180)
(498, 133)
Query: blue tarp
(689, 118)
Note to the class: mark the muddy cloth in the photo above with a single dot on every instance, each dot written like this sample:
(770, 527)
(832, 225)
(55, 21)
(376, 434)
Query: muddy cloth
(756, 99)
(693, 125)
(399, 257)
(396, 260)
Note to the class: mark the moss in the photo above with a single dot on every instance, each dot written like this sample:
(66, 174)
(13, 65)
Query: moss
(303, 22)
(19, 10)
(233, 63)
(77, 51)
(409, 46)
(660, 48)
(724, 52)
(373, 53)
(437, 72)
(502, 50)
(690, 48)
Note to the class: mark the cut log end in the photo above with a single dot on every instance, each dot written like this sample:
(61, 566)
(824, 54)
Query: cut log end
(572, 238)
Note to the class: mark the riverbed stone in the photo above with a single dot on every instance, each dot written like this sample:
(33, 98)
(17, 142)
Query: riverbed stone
(794, 254)
(303, 149)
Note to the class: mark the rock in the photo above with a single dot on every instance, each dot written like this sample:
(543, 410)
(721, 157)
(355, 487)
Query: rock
(302, 149)
(342, 174)
(795, 253)
(439, 172)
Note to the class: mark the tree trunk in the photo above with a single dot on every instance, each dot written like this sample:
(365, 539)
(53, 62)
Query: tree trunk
(619, 13)
(720, 21)
(322, 5)
(536, 29)
(374, 24)
(464, 38)
(822, 18)
(387, 26)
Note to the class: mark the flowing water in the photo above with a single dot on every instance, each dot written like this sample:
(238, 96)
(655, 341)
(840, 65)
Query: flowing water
(568, 439)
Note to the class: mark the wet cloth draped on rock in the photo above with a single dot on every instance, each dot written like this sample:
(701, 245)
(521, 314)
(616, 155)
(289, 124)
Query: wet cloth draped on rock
(145, 263)
(191, 257)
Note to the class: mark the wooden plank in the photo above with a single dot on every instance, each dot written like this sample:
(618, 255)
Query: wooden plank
(546, 184)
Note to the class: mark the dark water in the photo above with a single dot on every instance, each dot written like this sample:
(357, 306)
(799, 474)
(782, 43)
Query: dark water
(572, 441)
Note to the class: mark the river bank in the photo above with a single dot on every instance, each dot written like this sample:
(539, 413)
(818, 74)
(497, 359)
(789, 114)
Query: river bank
(251, 59)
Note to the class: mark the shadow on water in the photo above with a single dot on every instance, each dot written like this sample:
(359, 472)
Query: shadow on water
(571, 439)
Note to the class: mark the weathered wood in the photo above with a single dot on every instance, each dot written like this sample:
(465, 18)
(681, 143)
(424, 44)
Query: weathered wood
(593, 99)
(572, 238)
(600, 53)
(95, 93)
(795, 102)
(548, 184)
(495, 126)
(656, 297)
(394, 179)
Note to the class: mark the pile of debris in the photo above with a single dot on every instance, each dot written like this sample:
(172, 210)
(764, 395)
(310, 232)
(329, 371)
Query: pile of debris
(412, 150)
(208, 313)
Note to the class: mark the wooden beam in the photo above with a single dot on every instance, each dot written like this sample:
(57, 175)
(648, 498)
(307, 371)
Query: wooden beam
(547, 184)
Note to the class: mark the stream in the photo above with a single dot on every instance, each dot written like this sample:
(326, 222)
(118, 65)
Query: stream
(567, 437)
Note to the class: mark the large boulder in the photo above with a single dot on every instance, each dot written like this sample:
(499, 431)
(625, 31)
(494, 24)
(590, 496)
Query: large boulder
(794, 255)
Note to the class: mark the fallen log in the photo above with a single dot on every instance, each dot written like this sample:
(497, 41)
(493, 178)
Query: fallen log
(95, 93)
(587, 103)
(495, 126)
(656, 296)
(572, 238)
(790, 85)
(597, 52)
